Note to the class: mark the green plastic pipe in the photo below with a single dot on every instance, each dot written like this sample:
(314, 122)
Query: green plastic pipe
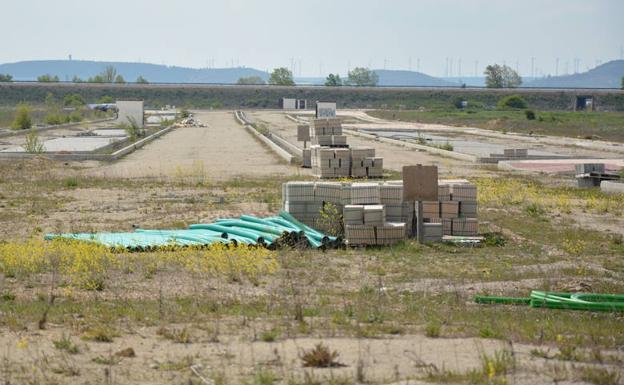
(242, 233)
(261, 221)
(251, 225)
(502, 300)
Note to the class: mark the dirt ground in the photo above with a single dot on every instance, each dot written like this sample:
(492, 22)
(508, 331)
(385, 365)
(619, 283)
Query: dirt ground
(394, 315)
(221, 150)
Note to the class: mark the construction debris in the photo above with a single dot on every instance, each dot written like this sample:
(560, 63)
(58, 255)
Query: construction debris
(189, 121)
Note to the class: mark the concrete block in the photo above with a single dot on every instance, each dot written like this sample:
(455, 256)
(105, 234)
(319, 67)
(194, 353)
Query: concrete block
(612, 187)
(449, 209)
(374, 215)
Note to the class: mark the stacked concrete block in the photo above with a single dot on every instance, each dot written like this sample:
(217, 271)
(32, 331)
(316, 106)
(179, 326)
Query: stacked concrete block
(374, 215)
(390, 233)
(325, 126)
(364, 193)
(325, 135)
(432, 232)
(330, 140)
(360, 235)
(330, 162)
(353, 215)
(465, 227)
(403, 213)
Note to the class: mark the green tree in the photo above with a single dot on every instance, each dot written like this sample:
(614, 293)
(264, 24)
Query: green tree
(512, 101)
(73, 100)
(497, 76)
(106, 99)
(333, 80)
(281, 77)
(622, 82)
(109, 74)
(47, 78)
(97, 79)
(76, 79)
(361, 76)
(22, 119)
(6, 78)
(119, 79)
(141, 80)
(255, 80)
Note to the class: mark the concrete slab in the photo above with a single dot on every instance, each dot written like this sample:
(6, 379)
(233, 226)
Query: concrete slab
(74, 144)
(110, 132)
(558, 165)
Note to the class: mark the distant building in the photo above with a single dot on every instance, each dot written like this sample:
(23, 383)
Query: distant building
(325, 110)
(130, 112)
(293, 104)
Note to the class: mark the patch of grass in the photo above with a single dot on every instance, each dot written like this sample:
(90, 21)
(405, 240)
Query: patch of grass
(181, 336)
(262, 377)
(65, 343)
(71, 182)
(183, 363)
(433, 330)
(269, 335)
(100, 333)
(600, 376)
(107, 360)
(320, 357)
(598, 124)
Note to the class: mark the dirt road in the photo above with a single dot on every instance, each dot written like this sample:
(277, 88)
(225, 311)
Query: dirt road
(221, 150)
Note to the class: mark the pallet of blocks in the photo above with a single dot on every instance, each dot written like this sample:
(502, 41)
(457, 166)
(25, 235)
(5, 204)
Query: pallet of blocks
(330, 162)
(330, 156)
(456, 208)
(362, 207)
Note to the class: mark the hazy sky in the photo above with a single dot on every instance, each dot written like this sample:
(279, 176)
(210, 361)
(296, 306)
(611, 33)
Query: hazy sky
(320, 36)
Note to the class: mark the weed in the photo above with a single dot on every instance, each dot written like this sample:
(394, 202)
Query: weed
(600, 376)
(33, 144)
(71, 182)
(100, 334)
(65, 343)
(320, 357)
(107, 360)
(181, 336)
(7, 296)
(433, 330)
(269, 335)
(183, 363)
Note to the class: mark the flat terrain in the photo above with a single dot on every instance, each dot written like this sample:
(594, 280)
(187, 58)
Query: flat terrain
(584, 125)
(221, 150)
(69, 313)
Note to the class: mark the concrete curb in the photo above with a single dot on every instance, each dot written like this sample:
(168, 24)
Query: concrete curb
(86, 156)
(433, 150)
(46, 128)
(242, 119)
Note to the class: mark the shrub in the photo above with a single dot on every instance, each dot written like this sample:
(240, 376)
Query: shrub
(530, 114)
(22, 119)
(75, 117)
(54, 119)
(73, 100)
(33, 144)
(432, 330)
(320, 357)
(512, 101)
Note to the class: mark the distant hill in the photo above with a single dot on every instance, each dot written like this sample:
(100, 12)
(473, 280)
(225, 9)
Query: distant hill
(608, 75)
(67, 69)
(410, 78)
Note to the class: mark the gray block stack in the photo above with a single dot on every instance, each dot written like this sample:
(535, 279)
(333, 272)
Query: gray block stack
(455, 209)
(376, 213)
(329, 155)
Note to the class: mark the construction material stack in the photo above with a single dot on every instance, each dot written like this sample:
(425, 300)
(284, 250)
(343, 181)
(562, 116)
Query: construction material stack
(330, 156)
(385, 213)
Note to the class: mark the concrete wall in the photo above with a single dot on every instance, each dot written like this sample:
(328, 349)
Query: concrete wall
(130, 110)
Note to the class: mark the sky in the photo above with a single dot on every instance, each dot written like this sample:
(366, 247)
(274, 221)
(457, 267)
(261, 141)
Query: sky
(314, 38)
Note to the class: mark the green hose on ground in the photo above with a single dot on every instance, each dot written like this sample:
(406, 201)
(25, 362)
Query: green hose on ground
(567, 301)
